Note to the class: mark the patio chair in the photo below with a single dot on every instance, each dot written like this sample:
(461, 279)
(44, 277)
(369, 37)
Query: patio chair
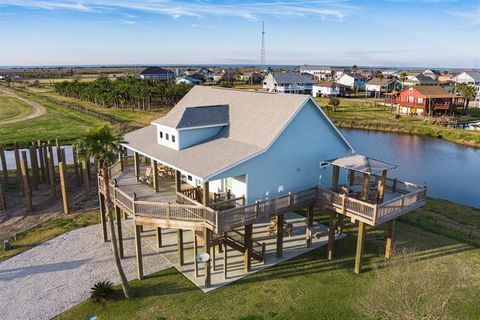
(147, 177)
(288, 227)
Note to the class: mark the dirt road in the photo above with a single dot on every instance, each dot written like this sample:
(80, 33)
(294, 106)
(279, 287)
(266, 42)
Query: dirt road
(38, 109)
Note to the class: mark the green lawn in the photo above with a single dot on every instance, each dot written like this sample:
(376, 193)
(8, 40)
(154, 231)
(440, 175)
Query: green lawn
(11, 108)
(307, 287)
(60, 122)
(49, 230)
(361, 115)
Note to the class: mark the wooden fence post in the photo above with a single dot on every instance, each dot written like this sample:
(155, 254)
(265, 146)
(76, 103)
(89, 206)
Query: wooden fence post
(18, 168)
(63, 181)
(3, 202)
(51, 172)
(41, 163)
(57, 145)
(4, 166)
(75, 165)
(26, 182)
(46, 163)
(34, 166)
(86, 186)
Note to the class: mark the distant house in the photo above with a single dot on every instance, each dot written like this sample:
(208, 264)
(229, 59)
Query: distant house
(288, 82)
(157, 74)
(418, 79)
(251, 77)
(390, 73)
(468, 77)
(329, 89)
(224, 75)
(381, 86)
(189, 80)
(433, 74)
(354, 80)
(425, 100)
(321, 73)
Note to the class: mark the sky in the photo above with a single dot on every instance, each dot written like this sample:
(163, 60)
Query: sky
(424, 33)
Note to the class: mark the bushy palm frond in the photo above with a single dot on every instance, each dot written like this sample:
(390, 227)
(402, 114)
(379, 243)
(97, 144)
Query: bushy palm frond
(100, 143)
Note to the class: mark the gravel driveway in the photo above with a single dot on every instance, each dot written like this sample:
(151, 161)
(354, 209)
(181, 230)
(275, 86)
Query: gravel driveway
(58, 274)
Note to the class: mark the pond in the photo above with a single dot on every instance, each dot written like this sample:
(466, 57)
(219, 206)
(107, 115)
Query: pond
(449, 171)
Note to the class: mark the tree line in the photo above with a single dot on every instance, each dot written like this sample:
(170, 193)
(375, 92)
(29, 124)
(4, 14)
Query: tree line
(125, 92)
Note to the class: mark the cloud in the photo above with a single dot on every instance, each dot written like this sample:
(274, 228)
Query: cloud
(251, 10)
(471, 17)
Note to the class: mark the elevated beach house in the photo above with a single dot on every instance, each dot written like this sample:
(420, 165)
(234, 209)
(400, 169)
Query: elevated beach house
(288, 82)
(225, 161)
(157, 74)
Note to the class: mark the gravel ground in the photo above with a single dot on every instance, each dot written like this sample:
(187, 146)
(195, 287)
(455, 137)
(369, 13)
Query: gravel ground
(51, 278)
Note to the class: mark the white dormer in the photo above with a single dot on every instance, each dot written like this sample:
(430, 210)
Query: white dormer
(195, 124)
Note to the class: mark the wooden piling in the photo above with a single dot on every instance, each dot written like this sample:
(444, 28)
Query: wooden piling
(359, 251)
(4, 166)
(51, 172)
(195, 253)
(63, 184)
(156, 185)
(16, 153)
(34, 166)
(331, 235)
(389, 240)
(136, 165)
(247, 243)
(138, 251)
(86, 182)
(280, 221)
(103, 217)
(57, 146)
(207, 238)
(308, 231)
(41, 163)
(181, 260)
(26, 182)
(46, 163)
(118, 216)
(159, 236)
(75, 166)
(3, 202)
(225, 260)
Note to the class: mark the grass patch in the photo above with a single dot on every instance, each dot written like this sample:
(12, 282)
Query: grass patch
(360, 115)
(12, 108)
(49, 230)
(307, 287)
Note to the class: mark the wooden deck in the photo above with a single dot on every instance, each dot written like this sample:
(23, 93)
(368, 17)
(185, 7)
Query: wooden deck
(160, 209)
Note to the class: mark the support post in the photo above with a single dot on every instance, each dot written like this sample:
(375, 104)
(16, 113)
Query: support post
(120, 158)
(158, 232)
(138, 251)
(280, 220)
(335, 178)
(41, 162)
(75, 166)
(3, 202)
(57, 146)
(178, 181)
(225, 260)
(34, 165)
(205, 194)
(351, 177)
(155, 175)
(86, 182)
(207, 238)
(381, 187)
(389, 240)
(4, 166)
(26, 182)
(331, 235)
(136, 165)
(63, 185)
(214, 258)
(46, 163)
(195, 253)
(247, 255)
(181, 260)
(359, 252)
(366, 186)
(308, 232)
(103, 218)
(51, 172)
(18, 168)
(118, 216)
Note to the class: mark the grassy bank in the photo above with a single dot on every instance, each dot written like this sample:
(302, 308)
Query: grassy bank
(307, 287)
(12, 108)
(360, 115)
(49, 230)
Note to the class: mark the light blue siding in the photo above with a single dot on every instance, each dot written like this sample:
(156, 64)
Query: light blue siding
(292, 163)
(190, 137)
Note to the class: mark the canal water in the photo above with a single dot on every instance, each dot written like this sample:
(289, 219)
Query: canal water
(449, 171)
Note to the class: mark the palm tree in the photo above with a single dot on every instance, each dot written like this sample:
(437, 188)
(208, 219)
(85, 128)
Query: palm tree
(468, 92)
(101, 144)
(403, 77)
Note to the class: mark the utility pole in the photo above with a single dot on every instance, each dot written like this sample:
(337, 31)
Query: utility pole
(262, 55)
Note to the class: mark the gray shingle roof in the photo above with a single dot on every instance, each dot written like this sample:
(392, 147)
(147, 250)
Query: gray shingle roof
(291, 77)
(155, 70)
(202, 116)
(255, 120)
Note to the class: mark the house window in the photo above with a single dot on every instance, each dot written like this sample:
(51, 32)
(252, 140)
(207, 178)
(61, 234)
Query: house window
(410, 99)
(189, 178)
(166, 136)
(173, 138)
(419, 100)
(161, 135)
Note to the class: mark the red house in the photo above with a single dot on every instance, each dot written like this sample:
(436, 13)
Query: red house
(425, 100)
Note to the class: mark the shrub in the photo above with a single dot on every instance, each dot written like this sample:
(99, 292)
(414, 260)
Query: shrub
(101, 291)
(397, 116)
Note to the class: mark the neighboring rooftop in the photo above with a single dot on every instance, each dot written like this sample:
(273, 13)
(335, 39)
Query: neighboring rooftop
(292, 77)
(380, 82)
(363, 164)
(155, 70)
(434, 92)
(331, 84)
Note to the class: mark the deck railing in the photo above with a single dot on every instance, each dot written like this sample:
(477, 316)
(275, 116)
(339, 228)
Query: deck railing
(409, 196)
